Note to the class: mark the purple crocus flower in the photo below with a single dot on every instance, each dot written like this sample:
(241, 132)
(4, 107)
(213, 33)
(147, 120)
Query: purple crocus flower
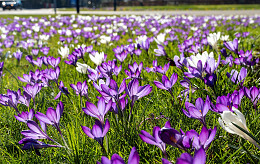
(112, 92)
(154, 140)
(72, 60)
(29, 78)
(123, 103)
(198, 111)
(232, 46)
(98, 112)
(35, 52)
(245, 34)
(199, 158)
(238, 77)
(79, 52)
(53, 74)
(224, 52)
(153, 68)
(98, 132)
(137, 52)
(52, 117)
(8, 43)
(45, 50)
(109, 68)
(171, 136)
(18, 55)
(32, 90)
(25, 116)
(121, 57)
(211, 65)
(135, 70)
(135, 92)
(81, 88)
(236, 97)
(45, 60)
(246, 58)
(203, 139)
(53, 61)
(229, 60)
(225, 103)
(94, 74)
(11, 99)
(180, 61)
(160, 51)
(145, 44)
(34, 144)
(63, 90)
(29, 58)
(119, 49)
(131, 49)
(88, 49)
(25, 99)
(116, 159)
(254, 94)
(166, 83)
(38, 62)
(163, 69)
(117, 70)
(210, 80)
(35, 131)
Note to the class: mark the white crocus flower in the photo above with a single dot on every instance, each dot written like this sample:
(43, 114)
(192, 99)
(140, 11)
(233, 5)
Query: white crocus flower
(194, 28)
(29, 32)
(160, 38)
(36, 28)
(3, 36)
(82, 68)
(87, 29)
(227, 121)
(193, 60)
(97, 57)
(153, 29)
(141, 39)
(213, 39)
(44, 37)
(64, 51)
(68, 33)
(224, 37)
(105, 39)
(167, 30)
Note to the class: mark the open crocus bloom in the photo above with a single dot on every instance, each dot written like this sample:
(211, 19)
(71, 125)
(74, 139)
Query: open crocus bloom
(64, 51)
(160, 38)
(82, 68)
(97, 57)
(193, 60)
(213, 39)
(227, 121)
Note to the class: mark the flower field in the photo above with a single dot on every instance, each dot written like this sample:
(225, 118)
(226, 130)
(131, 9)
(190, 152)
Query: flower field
(130, 89)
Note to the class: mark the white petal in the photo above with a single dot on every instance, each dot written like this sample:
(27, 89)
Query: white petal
(241, 117)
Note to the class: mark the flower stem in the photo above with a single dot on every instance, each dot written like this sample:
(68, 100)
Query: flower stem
(132, 106)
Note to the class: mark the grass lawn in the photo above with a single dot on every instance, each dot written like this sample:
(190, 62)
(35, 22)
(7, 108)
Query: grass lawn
(177, 7)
